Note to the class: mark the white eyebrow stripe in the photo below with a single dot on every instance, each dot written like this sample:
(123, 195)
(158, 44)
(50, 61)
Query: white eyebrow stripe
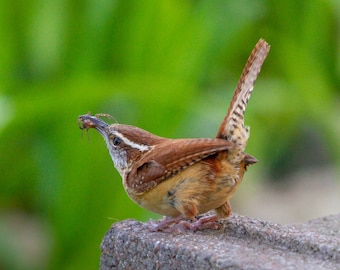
(140, 147)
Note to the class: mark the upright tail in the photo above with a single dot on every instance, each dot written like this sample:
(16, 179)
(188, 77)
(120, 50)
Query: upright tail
(232, 127)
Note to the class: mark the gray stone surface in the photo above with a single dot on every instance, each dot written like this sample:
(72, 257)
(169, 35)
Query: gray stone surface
(243, 243)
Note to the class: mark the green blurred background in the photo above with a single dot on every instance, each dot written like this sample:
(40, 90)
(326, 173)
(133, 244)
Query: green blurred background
(169, 67)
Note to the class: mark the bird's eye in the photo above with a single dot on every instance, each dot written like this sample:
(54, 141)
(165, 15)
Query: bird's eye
(116, 141)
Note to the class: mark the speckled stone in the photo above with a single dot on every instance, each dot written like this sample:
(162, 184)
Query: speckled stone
(242, 243)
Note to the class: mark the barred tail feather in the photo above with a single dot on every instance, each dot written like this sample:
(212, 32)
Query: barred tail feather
(234, 119)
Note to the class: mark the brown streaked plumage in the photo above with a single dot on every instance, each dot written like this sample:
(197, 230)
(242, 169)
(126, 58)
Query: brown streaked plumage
(182, 178)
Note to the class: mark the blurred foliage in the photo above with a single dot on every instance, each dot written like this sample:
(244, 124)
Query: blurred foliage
(167, 66)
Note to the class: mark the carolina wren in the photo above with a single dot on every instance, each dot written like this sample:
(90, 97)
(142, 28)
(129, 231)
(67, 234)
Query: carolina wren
(182, 178)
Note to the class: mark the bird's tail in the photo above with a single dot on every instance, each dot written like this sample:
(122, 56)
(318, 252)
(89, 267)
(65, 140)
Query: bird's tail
(232, 127)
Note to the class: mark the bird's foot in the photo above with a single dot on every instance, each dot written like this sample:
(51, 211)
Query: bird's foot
(179, 224)
(203, 223)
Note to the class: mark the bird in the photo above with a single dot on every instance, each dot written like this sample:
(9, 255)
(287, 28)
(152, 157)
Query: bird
(184, 178)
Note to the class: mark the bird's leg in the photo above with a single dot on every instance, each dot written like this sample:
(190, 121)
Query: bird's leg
(179, 224)
(164, 223)
(206, 222)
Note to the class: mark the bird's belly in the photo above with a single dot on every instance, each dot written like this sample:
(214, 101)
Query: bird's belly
(195, 187)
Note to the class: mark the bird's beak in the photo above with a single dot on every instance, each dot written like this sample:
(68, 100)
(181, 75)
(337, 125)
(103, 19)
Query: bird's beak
(87, 121)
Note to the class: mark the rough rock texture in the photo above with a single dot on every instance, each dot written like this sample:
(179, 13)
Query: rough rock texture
(243, 243)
